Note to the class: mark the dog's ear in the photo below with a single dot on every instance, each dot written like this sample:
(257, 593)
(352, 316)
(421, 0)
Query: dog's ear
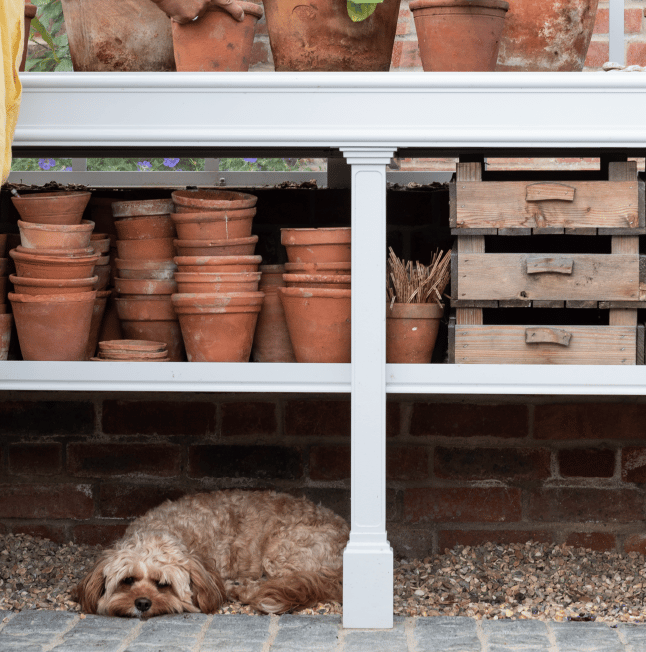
(208, 588)
(91, 588)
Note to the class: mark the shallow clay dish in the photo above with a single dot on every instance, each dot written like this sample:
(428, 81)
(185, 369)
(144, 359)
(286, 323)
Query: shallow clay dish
(140, 207)
(65, 207)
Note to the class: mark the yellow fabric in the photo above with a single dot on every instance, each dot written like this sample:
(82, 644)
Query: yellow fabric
(12, 25)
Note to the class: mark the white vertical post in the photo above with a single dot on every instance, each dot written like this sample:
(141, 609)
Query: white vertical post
(368, 557)
(616, 32)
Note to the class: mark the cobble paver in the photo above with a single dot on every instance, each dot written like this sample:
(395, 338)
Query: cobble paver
(307, 633)
(236, 633)
(516, 636)
(391, 640)
(587, 637)
(445, 634)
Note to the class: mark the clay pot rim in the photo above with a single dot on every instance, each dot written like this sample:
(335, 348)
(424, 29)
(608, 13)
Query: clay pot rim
(233, 200)
(214, 277)
(319, 293)
(133, 359)
(272, 269)
(134, 263)
(18, 297)
(146, 240)
(126, 208)
(85, 225)
(35, 196)
(217, 299)
(332, 279)
(248, 7)
(416, 5)
(144, 297)
(295, 268)
(130, 355)
(217, 261)
(163, 286)
(53, 260)
(289, 236)
(30, 10)
(252, 239)
(415, 311)
(83, 252)
(211, 216)
(132, 345)
(103, 294)
(52, 282)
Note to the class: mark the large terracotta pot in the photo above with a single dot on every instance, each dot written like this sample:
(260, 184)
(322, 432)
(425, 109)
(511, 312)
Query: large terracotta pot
(326, 245)
(318, 268)
(4, 266)
(3, 244)
(101, 242)
(142, 207)
(6, 323)
(63, 207)
(30, 12)
(188, 282)
(55, 236)
(217, 41)
(231, 247)
(98, 311)
(148, 249)
(145, 286)
(25, 285)
(338, 281)
(218, 264)
(318, 321)
(220, 225)
(167, 331)
(118, 35)
(103, 274)
(546, 36)
(153, 269)
(411, 331)
(189, 201)
(60, 266)
(145, 307)
(110, 328)
(145, 227)
(307, 35)
(459, 35)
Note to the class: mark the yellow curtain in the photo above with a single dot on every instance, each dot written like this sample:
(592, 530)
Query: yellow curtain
(12, 25)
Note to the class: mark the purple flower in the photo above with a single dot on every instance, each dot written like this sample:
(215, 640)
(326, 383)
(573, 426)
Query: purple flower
(46, 163)
(171, 162)
(144, 165)
(249, 160)
(68, 169)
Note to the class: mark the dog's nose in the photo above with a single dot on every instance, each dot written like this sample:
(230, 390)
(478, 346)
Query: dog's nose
(143, 604)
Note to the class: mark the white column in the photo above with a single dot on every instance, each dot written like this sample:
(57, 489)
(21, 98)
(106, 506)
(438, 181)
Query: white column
(368, 557)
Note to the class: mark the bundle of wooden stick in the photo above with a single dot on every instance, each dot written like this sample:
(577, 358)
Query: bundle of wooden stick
(416, 283)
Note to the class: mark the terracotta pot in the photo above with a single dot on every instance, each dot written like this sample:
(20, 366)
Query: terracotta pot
(338, 281)
(61, 266)
(118, 35)
(95, 323)
(64, 207)
(459, 35)
(221, 225)
(188, 282)
(6, 325)
(53, 327)
(156, 269)
(328, 245)
(3, 244)
(217, 41)
(131, 346)
(142, 207)
(110, 328)
(307, 36)
(55, 236)
(3, 288)
(145, 307)
(150, 249)
(83, 252)
(218, 264)
(23, 285)
(167, 331)
(138, 357)
(3, 309)
(190, 201)
(233, 247)
(546, 36)
(145, 286)
(411, 331)
(133, 358)
(318, 321)
(4, 266)
(102, 272)
(218, 327)
(145, 228)
(317, 268)
(30, 12)
(100, 242)
(271, 341)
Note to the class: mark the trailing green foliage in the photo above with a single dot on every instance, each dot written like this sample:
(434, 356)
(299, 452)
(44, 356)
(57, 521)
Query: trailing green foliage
(49, 25)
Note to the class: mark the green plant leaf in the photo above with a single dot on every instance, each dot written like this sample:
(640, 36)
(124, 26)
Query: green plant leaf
(361, 11)
(37, 26)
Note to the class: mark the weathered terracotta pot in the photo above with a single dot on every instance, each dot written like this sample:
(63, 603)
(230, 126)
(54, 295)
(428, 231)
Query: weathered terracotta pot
(232, 247)
(546, 37)
(142, 207)
(4, 266)
(6, 324)
(218, 327)
(82, 252)
(338, 281)
(53, 327)
(24, 285)
(190, 201)
(220, 225)
(136, 357)
(459, 35)
(218, 264)
(149, 249)
(61, 266)
(145, 307)
(411, 331)
(55, 236)
(100, 242)
(3, 244)
(3, 309)
(63, 207)
(131, 346)
(217, 41)
(3, 288)
(306, 36)
(327, 245)
(271, 341)
(95, 323)
(110, 328)
(318, 321)
(145, 286)
(167, 331)
(103, 273)
(189, 282)
(118, 35)
(145, 228)
(30, 12)
(156, 269)
(317, 268)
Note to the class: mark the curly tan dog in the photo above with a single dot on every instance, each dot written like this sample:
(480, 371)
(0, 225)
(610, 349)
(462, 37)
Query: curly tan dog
(270, 550)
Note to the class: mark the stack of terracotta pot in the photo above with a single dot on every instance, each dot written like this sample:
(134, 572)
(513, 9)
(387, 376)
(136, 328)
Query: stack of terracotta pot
(56, 306)
(316, 299)
(6, 319)
(145, 268)
(132, 351)
(217, 279)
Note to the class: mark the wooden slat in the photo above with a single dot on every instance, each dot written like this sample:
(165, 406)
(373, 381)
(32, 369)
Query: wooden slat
(622, 317)
(641, 336)
(548, 304)
(461, 232)
(582, 231)
(622, 305)
(514, 231)
(582, 305)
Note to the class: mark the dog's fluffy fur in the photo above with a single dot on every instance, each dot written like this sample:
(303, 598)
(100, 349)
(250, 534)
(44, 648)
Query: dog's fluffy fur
(270, 550)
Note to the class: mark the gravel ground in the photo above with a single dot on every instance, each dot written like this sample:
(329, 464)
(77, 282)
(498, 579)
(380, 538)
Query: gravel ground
(520, 581)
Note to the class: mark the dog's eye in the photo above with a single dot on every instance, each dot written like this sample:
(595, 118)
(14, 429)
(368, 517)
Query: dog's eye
(128, 580)
(162, 585)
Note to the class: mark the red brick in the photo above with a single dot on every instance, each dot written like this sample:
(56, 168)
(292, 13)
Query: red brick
(46, 417)
(633, 20)
(598, 54)
(90, 534)
(330, 462)
(589, 421)
(317, 419)
(406, 55)
(586, 463)
(49, 501)
(35, 459)
(462, 505)
(338, 500)
(633, 464)
(448, 539)
(485, 463)
(636, 543)
(393, 411)
(636, 54)
(592, 540)
(458, 420)
(405, 23)
(248, 418)
(51, 532)
(586, 505)
(259, 53)
(602, 22)
(131, 500)
(261, 28)
(104, 460)
(406, 463)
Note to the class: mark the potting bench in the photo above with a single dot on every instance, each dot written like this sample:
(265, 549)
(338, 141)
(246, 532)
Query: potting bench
(367, 118)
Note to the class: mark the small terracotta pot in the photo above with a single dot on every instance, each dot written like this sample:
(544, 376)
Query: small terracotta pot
(3, 244)
(141, 207)
(271, 341)
(234, 247)
(145, 286)
(151, 249)
(145, 307)
(53, 327)
(317, 268)
(411, 331)
(55, 236)
(24, 285)
(34, 266)
(217, 41)
(338, 281)
(218, 264)
(110, 328)
(100, 242)
(64, 207)
(3, 309)
(188, 282)
(57, 253)
(100, 303)
(30, 12)
(190, 201)
(102, 272)
(221, 225)
(318, 321)
(133, 356)
(328, 245)
(3, 288)
(218, 327)
(156, 269)
(167, 331)
(131, 346)
(145, 228)
(6, 324)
